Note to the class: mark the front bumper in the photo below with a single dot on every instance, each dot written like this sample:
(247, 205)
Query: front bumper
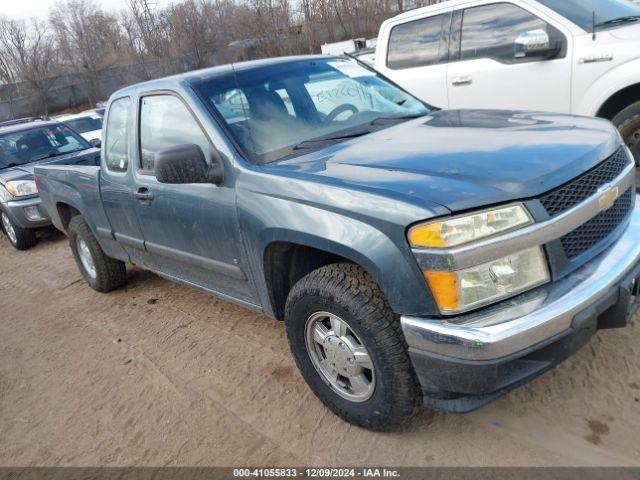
(486, 353)
(17, 212)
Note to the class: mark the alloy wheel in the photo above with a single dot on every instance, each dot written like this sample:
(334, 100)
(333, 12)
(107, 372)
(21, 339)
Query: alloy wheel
(8, 228)
(86, 258)
(340, 357)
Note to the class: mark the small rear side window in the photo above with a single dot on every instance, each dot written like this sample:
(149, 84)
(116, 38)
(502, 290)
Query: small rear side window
(116, 151)
(417, 44)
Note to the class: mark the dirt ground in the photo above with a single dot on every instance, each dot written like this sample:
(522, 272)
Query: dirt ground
(158, 374)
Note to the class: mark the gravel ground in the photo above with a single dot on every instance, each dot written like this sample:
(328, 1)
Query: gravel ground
(158, 374)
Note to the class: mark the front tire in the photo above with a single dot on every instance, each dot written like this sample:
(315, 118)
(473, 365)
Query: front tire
(628, 123)
(20, 238)
(349, 347)
(101, 272)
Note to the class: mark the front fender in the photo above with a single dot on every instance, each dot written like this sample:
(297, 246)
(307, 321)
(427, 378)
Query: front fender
(605, 87)
(382, 250)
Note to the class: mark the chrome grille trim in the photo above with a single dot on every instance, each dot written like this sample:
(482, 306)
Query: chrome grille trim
(540, 233)
(569, 195)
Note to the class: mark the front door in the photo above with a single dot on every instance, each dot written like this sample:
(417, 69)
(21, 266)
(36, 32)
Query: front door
(191, 231)
(484, 72)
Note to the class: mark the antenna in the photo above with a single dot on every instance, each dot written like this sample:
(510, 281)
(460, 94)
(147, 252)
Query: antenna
(594, 26)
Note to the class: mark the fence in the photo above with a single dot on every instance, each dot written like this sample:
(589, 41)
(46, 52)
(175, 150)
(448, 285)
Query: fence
(71, 91)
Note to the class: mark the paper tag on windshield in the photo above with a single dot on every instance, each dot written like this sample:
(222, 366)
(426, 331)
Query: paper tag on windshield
(351, 70)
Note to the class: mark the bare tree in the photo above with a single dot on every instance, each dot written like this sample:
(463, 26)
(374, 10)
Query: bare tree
(7, 74)
(134, 41)
(88, 38)
(149, 29)
(31, 51)
(190, 30)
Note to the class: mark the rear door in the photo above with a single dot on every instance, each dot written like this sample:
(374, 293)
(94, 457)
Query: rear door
(483, 71)
(191, 231)
(116, 180)
(415, 56)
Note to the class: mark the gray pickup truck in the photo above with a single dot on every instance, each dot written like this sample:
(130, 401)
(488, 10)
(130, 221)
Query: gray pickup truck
(415, 255)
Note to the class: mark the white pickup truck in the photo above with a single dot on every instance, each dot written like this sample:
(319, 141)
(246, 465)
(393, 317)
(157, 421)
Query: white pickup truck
(572, 56)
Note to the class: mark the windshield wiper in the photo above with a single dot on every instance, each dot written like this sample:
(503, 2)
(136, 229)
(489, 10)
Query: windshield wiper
(392, 118)
(617, 21)
(49, 155)
(328, 138)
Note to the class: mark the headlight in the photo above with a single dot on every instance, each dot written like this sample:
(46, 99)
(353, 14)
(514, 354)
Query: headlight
(464, 229)
(474, 287)
(21, 188)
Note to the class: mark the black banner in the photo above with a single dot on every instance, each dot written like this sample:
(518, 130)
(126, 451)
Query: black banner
(405, 473)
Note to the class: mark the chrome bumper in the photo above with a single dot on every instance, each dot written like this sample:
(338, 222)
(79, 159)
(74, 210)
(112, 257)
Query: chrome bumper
(515, 325)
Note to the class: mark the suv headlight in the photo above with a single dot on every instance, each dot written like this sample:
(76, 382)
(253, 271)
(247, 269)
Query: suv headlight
(464, 290)
(456, 231)
(21, 188)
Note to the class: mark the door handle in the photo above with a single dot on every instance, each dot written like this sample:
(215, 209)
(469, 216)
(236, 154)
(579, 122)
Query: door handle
(462, 81)
(144, 195)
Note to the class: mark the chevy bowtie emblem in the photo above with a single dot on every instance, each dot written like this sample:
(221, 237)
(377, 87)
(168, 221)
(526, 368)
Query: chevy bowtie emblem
(608, 197)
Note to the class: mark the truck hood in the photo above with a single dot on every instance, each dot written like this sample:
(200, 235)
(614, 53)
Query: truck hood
(628, 32)
(25, 172)
(463, 159)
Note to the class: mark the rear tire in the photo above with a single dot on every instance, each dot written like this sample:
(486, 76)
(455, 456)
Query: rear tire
(20, 238)
(380, 397)
(101, 272)
(628, 123)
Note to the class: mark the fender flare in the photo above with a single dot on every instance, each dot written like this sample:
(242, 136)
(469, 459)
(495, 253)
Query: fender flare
(394, 270)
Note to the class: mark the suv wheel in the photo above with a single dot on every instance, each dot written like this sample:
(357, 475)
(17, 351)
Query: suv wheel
(102, 273)
(628, 122)
(349, 347)
(20, 238)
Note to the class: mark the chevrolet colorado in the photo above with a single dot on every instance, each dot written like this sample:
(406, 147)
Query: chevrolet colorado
(416, 255)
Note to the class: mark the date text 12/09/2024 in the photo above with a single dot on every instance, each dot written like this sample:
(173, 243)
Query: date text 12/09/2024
(315, 473)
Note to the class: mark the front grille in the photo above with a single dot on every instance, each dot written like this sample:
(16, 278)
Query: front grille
(598, 228)
(570, 195)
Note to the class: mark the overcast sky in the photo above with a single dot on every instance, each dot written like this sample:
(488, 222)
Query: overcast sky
(40, 8)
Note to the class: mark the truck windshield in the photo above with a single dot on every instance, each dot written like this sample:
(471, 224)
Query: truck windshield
(609, 13)
(27, 146)
(282, 110)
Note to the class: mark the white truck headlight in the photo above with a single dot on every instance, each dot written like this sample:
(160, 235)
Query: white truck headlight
(474, 287)
(21, 188)
(456, 231)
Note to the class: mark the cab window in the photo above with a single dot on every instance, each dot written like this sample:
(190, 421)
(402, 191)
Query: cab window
(116, 151)
(166, 122)
(490, 31)
(419, 43)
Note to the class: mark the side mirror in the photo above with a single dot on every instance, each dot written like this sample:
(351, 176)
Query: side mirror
(187, 164)
(95, 143)
(535, 44)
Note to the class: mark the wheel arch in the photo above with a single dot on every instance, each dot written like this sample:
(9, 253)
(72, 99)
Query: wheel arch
(288, 258)
(605, 93)
(285, 262)
(66, 212)
(619, 101)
